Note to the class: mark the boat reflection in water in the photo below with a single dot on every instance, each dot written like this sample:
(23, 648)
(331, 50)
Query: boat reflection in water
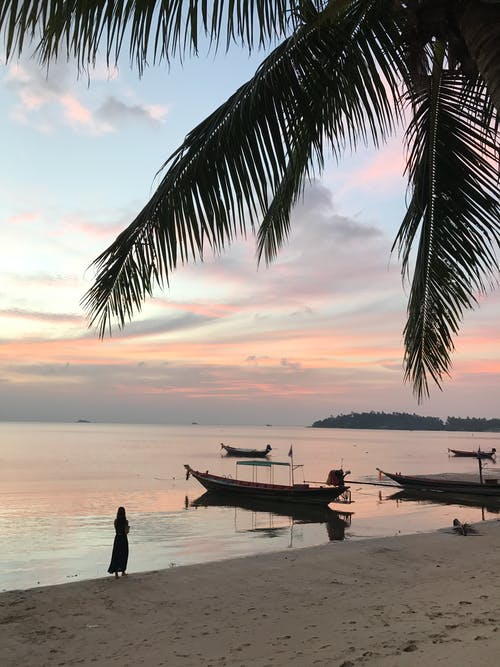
(335, 522)
(485, 504)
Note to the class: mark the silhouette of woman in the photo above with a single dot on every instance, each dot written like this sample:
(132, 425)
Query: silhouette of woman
(119, 556)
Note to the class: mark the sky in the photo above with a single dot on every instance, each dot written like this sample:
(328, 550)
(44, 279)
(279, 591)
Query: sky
(318, 332)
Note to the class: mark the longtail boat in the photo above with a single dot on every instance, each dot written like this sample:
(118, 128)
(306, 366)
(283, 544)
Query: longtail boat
(291, 493)
(477, 454)
(241, 451)
(487, 487)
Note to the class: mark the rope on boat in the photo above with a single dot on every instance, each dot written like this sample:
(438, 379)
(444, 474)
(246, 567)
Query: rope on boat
(350, 482)
(391, 486)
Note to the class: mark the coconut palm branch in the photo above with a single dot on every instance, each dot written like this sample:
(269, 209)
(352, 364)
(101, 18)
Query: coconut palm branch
(454, 207)
(155, 30)
(278, 121)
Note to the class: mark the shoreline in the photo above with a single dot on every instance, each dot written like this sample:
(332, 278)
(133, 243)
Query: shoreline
(392, 601)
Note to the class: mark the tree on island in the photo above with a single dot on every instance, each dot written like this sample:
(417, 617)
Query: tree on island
(344, 73)
(406, 422)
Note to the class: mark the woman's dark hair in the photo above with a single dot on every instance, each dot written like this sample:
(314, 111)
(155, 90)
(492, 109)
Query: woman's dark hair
(121, 519)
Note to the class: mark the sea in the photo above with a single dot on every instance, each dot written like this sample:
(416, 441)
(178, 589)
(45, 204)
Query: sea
(61, 484)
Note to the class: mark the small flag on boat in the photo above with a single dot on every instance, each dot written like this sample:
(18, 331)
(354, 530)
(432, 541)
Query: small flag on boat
(290, 453)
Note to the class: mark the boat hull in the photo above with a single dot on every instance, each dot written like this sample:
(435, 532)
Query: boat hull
(246, 453)
(298, 493)
(443, 486)
(475, 455)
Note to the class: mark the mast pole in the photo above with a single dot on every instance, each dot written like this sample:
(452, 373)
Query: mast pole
(291, 456)
(480, 462)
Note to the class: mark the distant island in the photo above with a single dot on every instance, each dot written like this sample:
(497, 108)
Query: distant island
(403, 421)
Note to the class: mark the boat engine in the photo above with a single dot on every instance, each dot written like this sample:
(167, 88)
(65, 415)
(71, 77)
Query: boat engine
(337, 477)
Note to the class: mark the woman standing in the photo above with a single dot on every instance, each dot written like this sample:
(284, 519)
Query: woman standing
(119, 557)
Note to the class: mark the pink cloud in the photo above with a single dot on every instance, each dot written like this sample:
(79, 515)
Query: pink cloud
(486, 366)
(18, 313)
(383, 169)
(18, 74)
(28, 216)
(31, 100)
(75, 111)
(80, 116)
(363, 370)
(376, 170)
(213, 310)
(78, 223)
(157, 111)
(50, 280)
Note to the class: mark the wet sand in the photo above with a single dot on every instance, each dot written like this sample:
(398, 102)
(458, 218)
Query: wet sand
(407, 600)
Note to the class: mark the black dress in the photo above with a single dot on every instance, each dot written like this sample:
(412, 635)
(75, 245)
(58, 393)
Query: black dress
(119, 557)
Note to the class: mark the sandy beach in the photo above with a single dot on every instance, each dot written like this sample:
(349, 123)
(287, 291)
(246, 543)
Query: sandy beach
(405, 600)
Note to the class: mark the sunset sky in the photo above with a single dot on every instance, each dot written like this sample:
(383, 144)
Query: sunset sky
(317, 333)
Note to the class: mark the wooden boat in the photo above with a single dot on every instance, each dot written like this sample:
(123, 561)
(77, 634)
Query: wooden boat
(488, 488)
(289, 493)
(240, 451)
(477, 454)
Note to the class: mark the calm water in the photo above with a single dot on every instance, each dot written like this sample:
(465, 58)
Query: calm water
(60, 485)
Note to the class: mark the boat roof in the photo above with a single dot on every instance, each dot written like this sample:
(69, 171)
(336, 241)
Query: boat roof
(263, 464)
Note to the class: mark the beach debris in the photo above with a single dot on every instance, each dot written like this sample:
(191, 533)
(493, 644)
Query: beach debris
(463, 528)
(410, 647)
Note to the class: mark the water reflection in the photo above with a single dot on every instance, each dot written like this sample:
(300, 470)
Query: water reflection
(490, 505)
(335, 522)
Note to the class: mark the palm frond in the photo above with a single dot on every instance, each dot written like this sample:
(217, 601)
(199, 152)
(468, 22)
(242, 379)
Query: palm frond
(248, 160)
(275, 227)
(453, 170)
(154, 30)
(350, 106)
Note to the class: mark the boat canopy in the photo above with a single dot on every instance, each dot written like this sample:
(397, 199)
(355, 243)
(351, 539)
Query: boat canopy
(262, 464)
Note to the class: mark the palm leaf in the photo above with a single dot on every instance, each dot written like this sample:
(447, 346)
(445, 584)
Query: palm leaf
(154, 30)
(349, 106)
(453, 170)
(248, 160)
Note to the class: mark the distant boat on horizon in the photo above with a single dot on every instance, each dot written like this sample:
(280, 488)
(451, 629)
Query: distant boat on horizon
(83, 421)
(242, 451)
